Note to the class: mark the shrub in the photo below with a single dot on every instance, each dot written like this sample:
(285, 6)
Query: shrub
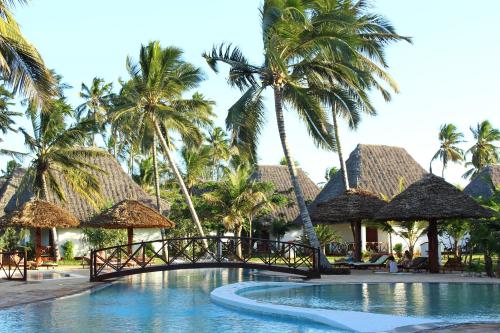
(398, 248)
(69, 250)
(99, 238)
(150, 250)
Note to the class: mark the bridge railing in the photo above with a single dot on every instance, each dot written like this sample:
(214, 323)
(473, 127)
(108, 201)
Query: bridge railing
(191, 252)
(13, 265)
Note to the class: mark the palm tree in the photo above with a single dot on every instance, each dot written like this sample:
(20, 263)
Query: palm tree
(289, 46)
(450, 137)
(197, 162)
(484, 151)
(21, 65)
(57, 155)
(239, 197)
(220, 150)
(153, 99)
(6, 122)
(410, 231)
(97, 98)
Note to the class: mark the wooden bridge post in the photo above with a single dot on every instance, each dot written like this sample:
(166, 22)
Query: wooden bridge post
(25, 268)
(219, 248)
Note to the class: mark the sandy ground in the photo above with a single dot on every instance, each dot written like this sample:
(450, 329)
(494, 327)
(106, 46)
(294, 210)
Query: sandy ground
(17, 293)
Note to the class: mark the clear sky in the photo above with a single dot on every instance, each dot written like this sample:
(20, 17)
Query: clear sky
(449, 74)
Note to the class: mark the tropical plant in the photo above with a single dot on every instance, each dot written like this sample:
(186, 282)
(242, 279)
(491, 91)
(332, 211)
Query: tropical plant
(56, 154)
(450, 137)
(326, 235)
(484, 151)
(410, 232)
(456, 230)
(290, 41)
(398, 249)
(10, 238)
(197, 162)
(98, 238)
(153, 99)
(98, 97)
(239, 197)
(220, 151)
(21, 65)
(69, 250)
(279, 227)
(6, 122)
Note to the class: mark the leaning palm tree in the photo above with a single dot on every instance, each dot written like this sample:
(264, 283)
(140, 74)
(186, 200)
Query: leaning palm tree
(484, 151)
(153, 99)
(450, 137)
(97, 98)
(57, 155)
(290, 44)
(20, 63)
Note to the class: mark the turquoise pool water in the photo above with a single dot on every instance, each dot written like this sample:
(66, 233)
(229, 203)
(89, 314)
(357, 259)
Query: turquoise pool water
(179, 301)
(176, 301)
(446, 301)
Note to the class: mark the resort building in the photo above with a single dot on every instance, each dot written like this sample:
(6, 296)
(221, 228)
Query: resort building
(279, 176)
(383, 170)
(484, 184)
(116, 185)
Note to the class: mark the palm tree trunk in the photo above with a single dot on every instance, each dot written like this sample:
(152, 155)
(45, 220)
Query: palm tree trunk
(55, 244)
(157, 185)
(131, 160)
(237, 232)
(304, 214)
(343, 167)
(182, 185)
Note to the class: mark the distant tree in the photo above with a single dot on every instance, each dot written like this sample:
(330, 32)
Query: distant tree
(330, 172)
(484, 151)
(97, 98)
(284, 162)
(449, 137)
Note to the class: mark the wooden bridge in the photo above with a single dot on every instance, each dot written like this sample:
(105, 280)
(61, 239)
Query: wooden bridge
(204, 252)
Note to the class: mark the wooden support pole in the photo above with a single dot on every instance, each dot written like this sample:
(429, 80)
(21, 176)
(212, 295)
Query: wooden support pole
(38, 243)
(130, 236)
(432, 235)
(356, 232)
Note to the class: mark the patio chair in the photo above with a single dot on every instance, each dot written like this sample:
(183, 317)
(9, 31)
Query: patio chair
(378, 263)
(34, 264)
(419, 264)
(453, 265)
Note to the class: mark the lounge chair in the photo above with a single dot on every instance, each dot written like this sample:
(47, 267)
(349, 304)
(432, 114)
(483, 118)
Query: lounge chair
(453, 264)
(378, 263)
(34, 264)
(418, 264)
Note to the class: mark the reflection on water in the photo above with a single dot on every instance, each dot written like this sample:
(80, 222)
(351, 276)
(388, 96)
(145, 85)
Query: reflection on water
(453, 301)
(176, 301)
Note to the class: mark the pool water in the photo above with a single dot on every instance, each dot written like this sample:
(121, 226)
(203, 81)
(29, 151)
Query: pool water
(48, 275)
(175, 301)
(451, 302)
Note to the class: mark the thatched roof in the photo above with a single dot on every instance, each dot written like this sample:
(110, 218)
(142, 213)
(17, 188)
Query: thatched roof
(39, 214)
(374, 168)
(9, 186)
(278, 175)
(129, 214)
(485, 182)
(116, 185)
(432, 198)
(353, 205)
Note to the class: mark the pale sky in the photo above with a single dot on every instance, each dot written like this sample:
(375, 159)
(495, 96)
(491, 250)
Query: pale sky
(449, 74)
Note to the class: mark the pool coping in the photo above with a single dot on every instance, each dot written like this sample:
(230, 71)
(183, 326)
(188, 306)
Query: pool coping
(365, 322)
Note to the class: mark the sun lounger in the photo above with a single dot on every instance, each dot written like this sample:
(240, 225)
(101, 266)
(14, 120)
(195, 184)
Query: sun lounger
(419, 264)
(379, 263)
(453, 265)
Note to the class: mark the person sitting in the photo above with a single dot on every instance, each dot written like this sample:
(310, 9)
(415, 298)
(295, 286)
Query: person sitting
(392, 265)
(406, 259)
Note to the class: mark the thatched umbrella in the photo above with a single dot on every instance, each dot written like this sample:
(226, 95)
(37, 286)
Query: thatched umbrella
(432, 199)
(40, 215)
(129, 214)
(353, 206)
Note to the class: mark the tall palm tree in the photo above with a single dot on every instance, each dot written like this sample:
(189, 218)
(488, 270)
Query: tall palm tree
(290, 44)
(20, 63)
(97, 98)
(154, 99)
(6, 122)
(56, 154)
(484, 151)
(196, 162)
(450, 137)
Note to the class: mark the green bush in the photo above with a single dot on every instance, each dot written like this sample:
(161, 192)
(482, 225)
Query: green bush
(398, 248)
(69, 250)
(98, 238)
(150, 250)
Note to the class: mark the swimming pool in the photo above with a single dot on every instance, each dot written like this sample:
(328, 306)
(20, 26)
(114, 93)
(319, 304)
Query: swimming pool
(179, 301)
(456, 302)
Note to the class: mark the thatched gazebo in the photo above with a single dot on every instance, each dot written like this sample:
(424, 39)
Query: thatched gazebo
(129, 214)
(432, 199)
(353, 206)
(40, 215)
